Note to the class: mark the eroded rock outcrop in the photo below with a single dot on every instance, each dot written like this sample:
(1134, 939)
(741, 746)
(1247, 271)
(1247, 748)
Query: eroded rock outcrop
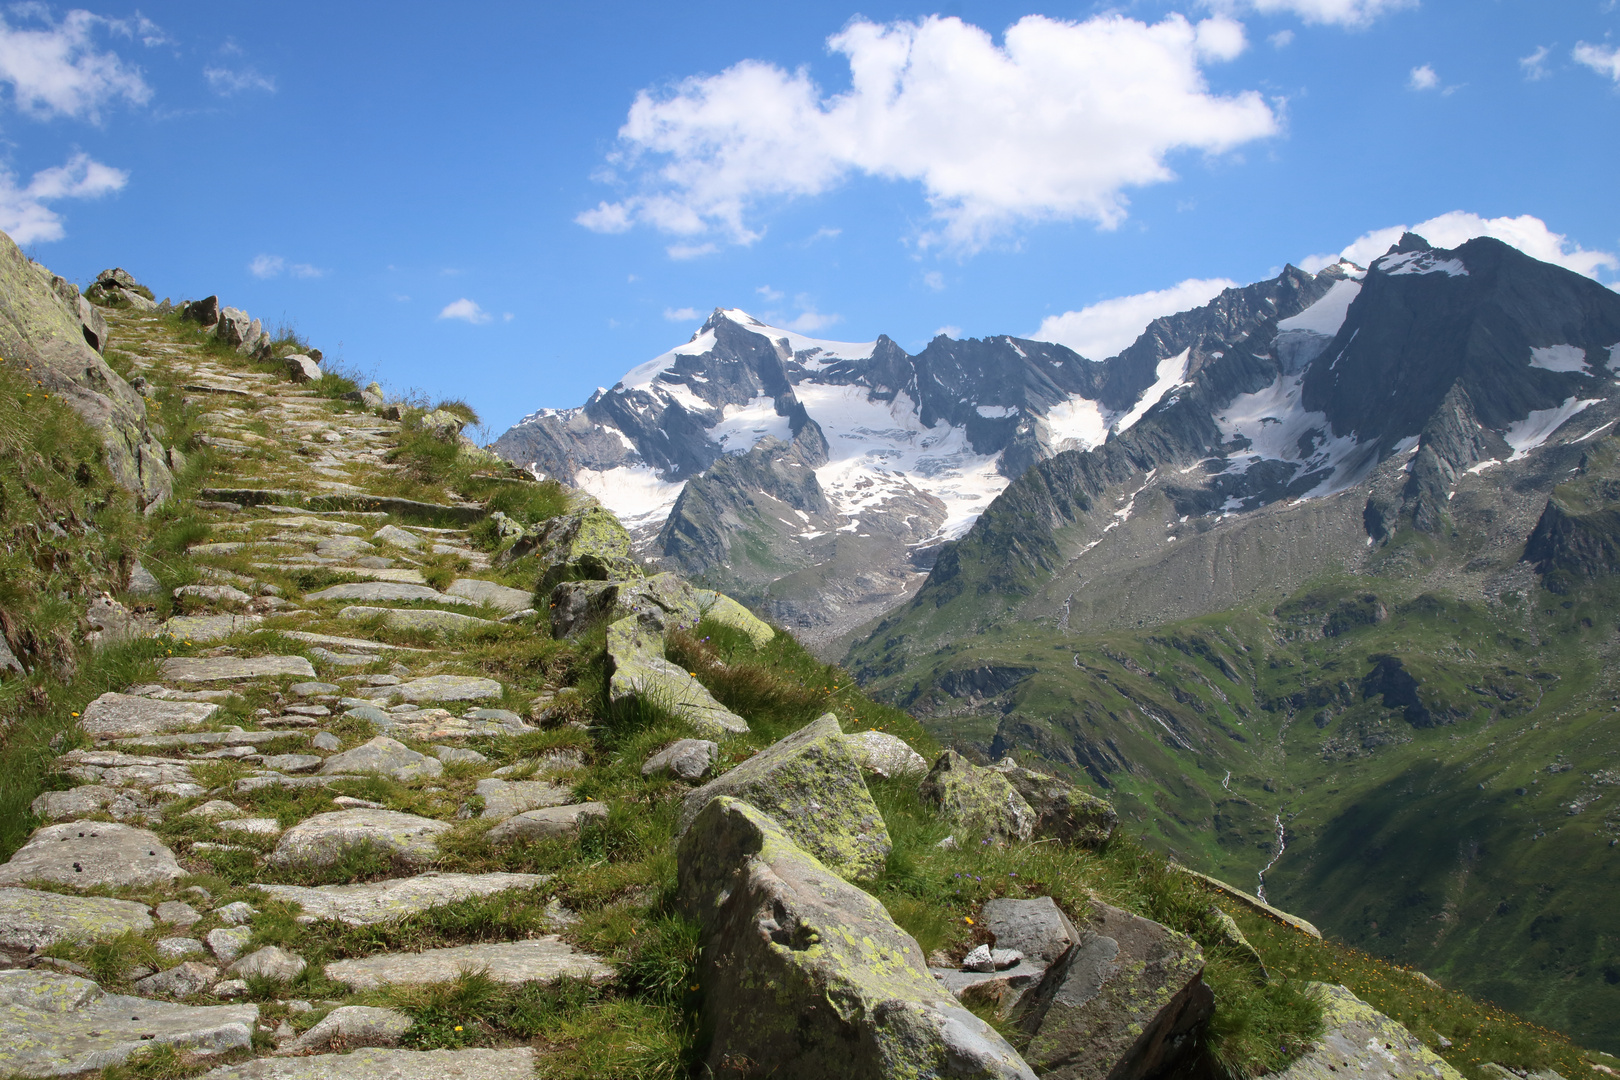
(978, 799)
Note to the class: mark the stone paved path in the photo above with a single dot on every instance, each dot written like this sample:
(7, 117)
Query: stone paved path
(321, 726)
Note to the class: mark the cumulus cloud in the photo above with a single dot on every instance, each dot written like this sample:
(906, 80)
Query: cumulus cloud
(1352, 13)
(228, 81)
(1106, 328)
(949, 330)
(1599, 59)
(466, 310)
(769, 293)
(811, 320)
(1052, 125)
(1527, 233)
(684, 314)
(269, 266)
(23, 213)
(1422, 78)
(1534, 66)
(56, 69)
(1281, 39)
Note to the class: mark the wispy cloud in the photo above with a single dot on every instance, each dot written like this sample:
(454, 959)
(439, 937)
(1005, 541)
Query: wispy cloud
(771, 295)
(1604, 61)
(227, 81)
(811, 320)
(1348, 13)
(56, 69)
(23, 213)
(466, 310)
(684, 314)
(1107, 327)
(691, 251)
(1055, 123)
(949, 331)
(269, 266)
(934, 280)
(1422, 78)
(1534, 66)
(1281, 39)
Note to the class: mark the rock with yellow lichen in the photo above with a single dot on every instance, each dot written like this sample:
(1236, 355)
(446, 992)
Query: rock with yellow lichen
(977, 799)
(806, 977)
(1360, 1041)
(811, 783)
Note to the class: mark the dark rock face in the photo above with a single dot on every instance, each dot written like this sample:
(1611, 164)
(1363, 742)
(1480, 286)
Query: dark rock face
(1126, 1002)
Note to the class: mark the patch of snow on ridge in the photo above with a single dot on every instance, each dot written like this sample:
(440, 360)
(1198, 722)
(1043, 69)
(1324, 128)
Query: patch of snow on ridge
(744, 425)
(877, 449)
(1171, 372)
(635, 493)
(1274, 422)
(1420, 262)
(1527, 434)
(1327, 314)
(642, 376)
(1558, 358)
(1078, 424)
(1614, 356)
(997, 412)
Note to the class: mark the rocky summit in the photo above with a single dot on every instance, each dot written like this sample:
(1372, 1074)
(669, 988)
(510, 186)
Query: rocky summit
(335, 746)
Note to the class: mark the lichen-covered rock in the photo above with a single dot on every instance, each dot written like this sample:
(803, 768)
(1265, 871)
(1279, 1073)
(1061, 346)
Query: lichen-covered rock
(202, 629)
(38, 328)
(885, 755)
(686, 759)
(576, 605)
(810, 783)
(504, 798)
(381, 901)
(325, 838)
(587, 543)
(1063, 811)
(92, 853)
(114, 715)
(805, 976)
(1125, 1002)
(352, 1027)
(30, 919)
(720, 608)
(182, 980)
(429, 619)
(542, 959)
(659, 603)
(546, 823)
(446, 688)
(270, 962)
(978, 799)
(56, 1025)
(194, 669)
(383, 755)
(640, 670)
(499, 597)
(1360, 1041)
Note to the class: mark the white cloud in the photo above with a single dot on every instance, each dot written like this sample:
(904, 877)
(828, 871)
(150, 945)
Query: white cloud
(770, 294)
(23, 213)
(824, 233)
(949, 331)
(228, 81)
(1353, 13)
(1054, 124)
(1281, 39)
(934, 280)
(465, 310)
(1529, 234)
(811, 320)
(685, 314)
(1106, 328)
(1422, 78)
(1601, 60)
(691, 251)
(1534, 66)
(269, 266)
(56, 70)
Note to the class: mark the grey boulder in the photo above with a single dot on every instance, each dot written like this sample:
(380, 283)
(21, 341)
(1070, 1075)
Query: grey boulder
(118, 803)
(351, 1027)
(547, 823)
(885, 755)
(301, 369)
(1037, 928)
(182, 980)
(1362, 1042)
(228, 943)
(685, 759)
(639, 670)
(92, 853)
(504, 798)
(325, 838)
(849, 993)
(31, 919)
(1062, 811)
(977, 799)
(270, 962)
(383, 755)
(500, 597)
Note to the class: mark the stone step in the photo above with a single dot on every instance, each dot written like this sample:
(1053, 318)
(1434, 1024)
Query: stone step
(379, 1064)
(383, 901)
(543, 959)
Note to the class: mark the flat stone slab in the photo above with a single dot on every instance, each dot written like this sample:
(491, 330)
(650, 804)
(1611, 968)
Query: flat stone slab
(32, 920)
(447, 688)
(547, 823)
(53, 1024)
(503, 798)
(393, 534)
(404, 575)
(382, 590)
(236, 737)
(92, 853)
(516, 1064)
(113, 716)
(89, 799)
(448, 622)
(200, 629)
(543, 959)
(346, 642)
(324, 838)
(383, 755)
(381, 901)
(1362, 1042)
(114, 768)
(496, 596)
(197, 669)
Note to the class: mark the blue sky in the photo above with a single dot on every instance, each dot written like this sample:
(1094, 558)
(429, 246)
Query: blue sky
(470, 201)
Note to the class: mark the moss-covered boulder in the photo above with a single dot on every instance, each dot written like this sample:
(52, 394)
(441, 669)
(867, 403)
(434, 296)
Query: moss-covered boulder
(978, 799)
(660, 603)
(805, 976)
(811, 783)
(1125, 1002)
(637, 669)
(727, 612)
(1360, 1041)
(585, 544)
(1062, 811)
(41, 332)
